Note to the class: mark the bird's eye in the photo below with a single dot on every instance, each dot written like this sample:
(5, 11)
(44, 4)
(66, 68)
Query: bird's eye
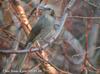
(56, 26)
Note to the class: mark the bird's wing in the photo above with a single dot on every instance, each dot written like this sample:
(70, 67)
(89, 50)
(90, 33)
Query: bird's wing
(41, 29)
(47, 27)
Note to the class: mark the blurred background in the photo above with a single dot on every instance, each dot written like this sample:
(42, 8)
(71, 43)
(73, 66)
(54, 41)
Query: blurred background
(75, 51)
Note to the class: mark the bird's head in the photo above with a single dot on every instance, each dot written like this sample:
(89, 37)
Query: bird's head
(47, 9)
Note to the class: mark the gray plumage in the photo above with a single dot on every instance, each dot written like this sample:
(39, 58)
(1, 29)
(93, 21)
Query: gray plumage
(43, 27)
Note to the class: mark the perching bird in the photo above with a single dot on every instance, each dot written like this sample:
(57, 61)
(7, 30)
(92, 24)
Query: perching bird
(43, 27)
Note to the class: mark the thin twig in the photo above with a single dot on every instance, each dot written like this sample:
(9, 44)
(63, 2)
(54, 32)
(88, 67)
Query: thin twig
(83, 17)
(58, 69)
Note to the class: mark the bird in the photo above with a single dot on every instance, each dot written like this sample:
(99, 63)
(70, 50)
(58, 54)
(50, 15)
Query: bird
(43, 27)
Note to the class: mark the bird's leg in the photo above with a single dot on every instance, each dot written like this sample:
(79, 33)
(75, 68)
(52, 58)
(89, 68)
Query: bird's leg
(35, 45)
(38, 44)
